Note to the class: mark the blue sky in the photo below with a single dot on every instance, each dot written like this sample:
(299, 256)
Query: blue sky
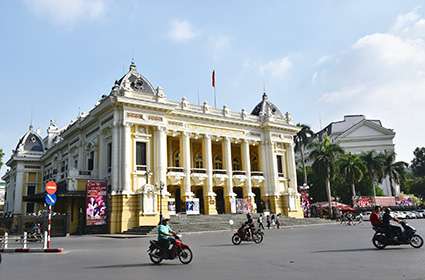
(318, 60)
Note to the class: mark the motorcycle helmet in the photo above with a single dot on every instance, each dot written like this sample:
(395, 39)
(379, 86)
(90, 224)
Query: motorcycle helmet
(387, 210)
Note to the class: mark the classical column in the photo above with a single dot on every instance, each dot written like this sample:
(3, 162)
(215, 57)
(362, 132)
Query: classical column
(126, 160)
(185, 156)
(19, 186)
(115, 159)
(246, 166)
(270, 174)
(101, 156)
(292, 168)
(229, 195)
(208, 191)
(161, 161)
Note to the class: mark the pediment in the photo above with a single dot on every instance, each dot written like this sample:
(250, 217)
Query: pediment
(366, 129)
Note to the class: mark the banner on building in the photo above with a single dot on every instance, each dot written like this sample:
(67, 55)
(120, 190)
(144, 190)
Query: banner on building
(233, 205)
(243, 206)
(192, 206)
(172, 206)
(96, 203)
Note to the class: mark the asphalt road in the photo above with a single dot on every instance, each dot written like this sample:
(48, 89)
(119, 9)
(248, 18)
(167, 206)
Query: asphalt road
(312, 252)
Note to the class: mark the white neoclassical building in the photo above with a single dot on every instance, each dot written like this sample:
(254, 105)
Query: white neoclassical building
(356, 134)
(137, 140)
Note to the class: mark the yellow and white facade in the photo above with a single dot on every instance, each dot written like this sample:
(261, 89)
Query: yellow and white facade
(138, 140)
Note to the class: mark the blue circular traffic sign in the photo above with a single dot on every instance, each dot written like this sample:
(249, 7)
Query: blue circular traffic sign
(50, 199)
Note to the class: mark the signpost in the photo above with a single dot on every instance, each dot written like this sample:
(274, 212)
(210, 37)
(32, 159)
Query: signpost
(50, 199)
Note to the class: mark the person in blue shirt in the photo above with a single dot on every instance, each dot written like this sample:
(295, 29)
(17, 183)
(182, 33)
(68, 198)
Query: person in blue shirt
(165, 236)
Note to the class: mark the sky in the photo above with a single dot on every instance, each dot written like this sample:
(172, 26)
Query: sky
(318, 60)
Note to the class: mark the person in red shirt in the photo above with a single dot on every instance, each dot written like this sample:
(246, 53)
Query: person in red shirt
(375, 219)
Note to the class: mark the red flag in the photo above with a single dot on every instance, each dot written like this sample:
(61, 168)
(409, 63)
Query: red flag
(213, 79)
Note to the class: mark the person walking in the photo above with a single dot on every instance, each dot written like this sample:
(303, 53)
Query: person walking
(260, 222)
(277, 221)
(268, 221)
(273, 220)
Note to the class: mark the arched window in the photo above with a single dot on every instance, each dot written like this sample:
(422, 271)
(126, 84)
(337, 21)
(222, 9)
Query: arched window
(236, 165)
(254, 163)
(177, 159)
(198, 161)
(218, 164)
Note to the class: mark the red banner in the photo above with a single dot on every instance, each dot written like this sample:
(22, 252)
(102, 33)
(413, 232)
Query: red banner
(96, 203)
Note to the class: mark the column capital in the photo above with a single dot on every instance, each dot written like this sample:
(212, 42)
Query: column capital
(161, 128)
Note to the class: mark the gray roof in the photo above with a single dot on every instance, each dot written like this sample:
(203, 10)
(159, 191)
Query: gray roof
(266, 106)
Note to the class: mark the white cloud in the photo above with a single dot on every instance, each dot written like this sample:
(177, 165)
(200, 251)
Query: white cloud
(382, 76)
(181, 31)
(278, 68)
(67, 12)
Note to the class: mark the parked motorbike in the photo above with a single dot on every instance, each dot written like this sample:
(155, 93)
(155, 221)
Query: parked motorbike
(178, 250)
(242, 234)
(35, 235)
(382, 238)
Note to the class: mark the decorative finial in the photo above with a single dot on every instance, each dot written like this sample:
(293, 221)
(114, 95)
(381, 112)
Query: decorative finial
(264, 96)
(132, 65)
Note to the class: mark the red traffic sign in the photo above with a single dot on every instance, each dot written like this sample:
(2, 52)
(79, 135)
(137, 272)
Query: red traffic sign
(51, 187)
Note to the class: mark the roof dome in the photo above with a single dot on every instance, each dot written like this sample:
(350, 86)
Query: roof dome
(30, 142)
(265, 107)
(134, 81)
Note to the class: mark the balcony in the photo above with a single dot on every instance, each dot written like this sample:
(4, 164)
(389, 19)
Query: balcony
(141, 168)
(219, 177)
(257, 178)
(175, 175)
(239, 178)
(198, 176)
(175, 169)
(84, 173)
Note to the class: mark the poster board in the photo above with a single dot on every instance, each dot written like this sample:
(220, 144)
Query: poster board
(192, 206)
(96, 214)
(172, 206)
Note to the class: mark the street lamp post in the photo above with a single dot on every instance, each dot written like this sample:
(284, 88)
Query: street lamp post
(161, 187)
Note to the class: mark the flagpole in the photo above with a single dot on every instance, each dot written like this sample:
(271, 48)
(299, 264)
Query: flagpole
(215, 99)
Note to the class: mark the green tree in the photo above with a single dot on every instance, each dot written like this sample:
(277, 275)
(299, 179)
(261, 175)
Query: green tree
(374, 164)
(1, 157)
(302, 139)
(418, 163)
(394, 170)
(324, 155)
(418, 187)
(351, 167)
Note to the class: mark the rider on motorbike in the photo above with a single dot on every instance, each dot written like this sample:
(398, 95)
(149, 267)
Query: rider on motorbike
(165, 236)
(393, 231)
(249, 225)
(375, 218)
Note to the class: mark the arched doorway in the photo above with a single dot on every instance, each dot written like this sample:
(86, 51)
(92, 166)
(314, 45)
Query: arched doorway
(199, 193)
(258, 201)
(238, 191)
(219, 199)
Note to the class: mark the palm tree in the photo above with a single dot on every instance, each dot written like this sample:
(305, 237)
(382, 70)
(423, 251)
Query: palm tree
(352, 168)
(394, 170)
(324, 155)
(375, 168)
(303, 138)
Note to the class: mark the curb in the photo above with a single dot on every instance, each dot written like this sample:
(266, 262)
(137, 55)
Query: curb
(32, 250)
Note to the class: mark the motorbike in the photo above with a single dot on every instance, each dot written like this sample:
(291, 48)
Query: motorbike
(35, 235)
(179, 250)
(242, 234)
(382, 239)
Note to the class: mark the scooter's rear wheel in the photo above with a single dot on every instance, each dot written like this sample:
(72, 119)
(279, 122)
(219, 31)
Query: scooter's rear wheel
(416, 241)
(236, 239)
(185, 256)
(155, 256)
(378, 241)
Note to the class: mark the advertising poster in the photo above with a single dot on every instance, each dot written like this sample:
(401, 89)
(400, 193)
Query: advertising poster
(243, 206)
(96, 203)
(192, 206)
(172, 206)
